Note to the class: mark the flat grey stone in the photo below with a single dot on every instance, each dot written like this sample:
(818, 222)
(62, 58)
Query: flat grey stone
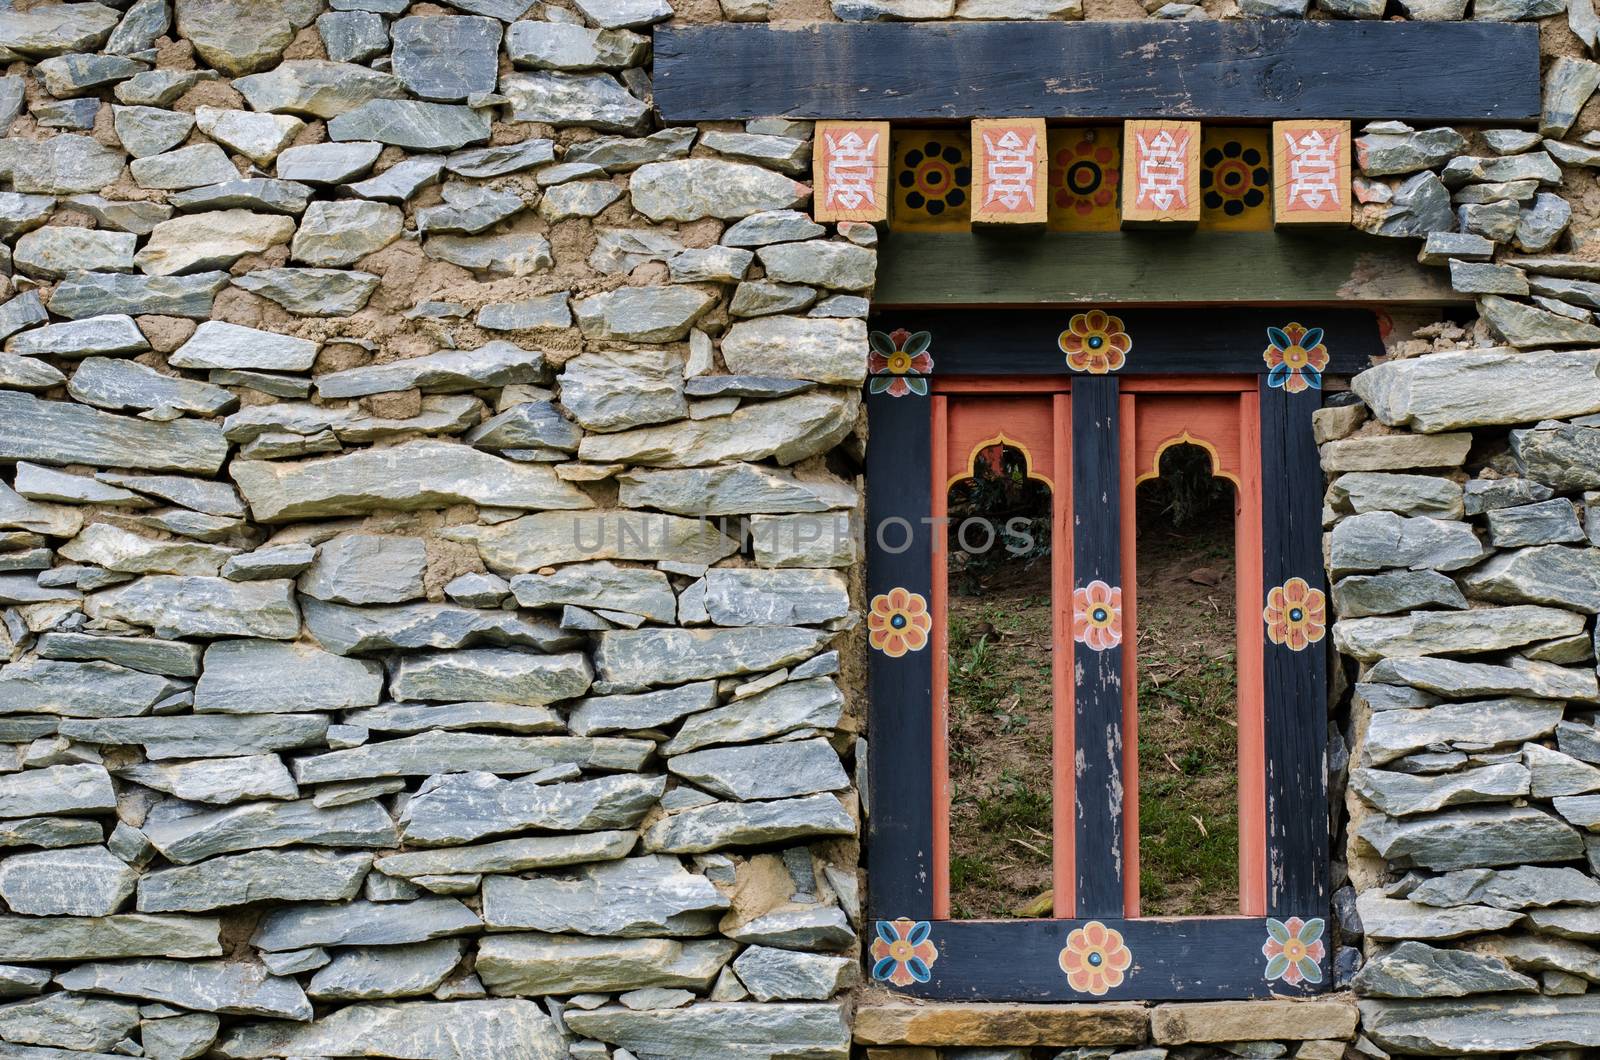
(1475, 837)
(748, 597)
(235, 36)
(179, 1037)
(1477, 726)
(241, 988)
(1548, 574)
(65, 1020)
(558, 46)
(206, 607)
(60, 165)
(1559, 455)
(1521, 678)
(769, 771)
(1401, 795)
(75, 881)
(529, 425)
(218, 344)
(402, 180)
(186, 167)
(642, 314)
(125, 935)
(79, 689)
(648, 710)
(773, 974)
(537, 963)
(113, 333)
(202, 736)
(789, 429)
(460, 808)
(1376, 540)
(353, 36)
(158, 88)
(692, 189)
(1544, 523)
(49, 832)
(446, 57)
(420, 717)
(483, 162)
(481, 673)
(341, 233)
(327, 163)
(420, 474)
(727, 824)
(264, 676)
(25, 373)
(594, 100)
(367, 569)
(259, 137)
(1384, 594)
(363, 924)
(51, 253)
(704, 1028)
(1510, 1024)
(411, 124)
(312, 292)
(731, 489)
(448, 371)
(56, 28)
(56, 432)
(215, 498)
(117, 385)
(47, 484)
(545, 311)
(1460, 632)
(276, 561)
(88, 294)
(787, 154)
(494, 1029)
(622, 154)
(630, 898)
(317, 88)
(370, 973)
(1417, 970)
(509, 254)
(619, 390)
(1421, 206)
(1518, 888)
(759, 298)
(113, 548)
(631, 589)
(708, 264)
(549, 538)
(18, 981)
(826, 351)
(185, 833)
(510, 855)
(453, 753)
(216, 780)
(173, 658)
(56, 789)
(636, 659)
(296, 875)
(468, 209)
(809, 704)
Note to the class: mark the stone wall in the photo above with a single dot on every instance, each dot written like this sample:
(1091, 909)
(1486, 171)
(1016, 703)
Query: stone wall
(372, 684)
(428, 510)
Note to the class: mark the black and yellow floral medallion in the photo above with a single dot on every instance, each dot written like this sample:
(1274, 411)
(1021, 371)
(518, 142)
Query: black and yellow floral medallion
(932, 181)
(1235, 179)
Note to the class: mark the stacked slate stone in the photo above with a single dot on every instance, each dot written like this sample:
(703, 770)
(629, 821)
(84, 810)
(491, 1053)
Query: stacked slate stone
(424, 497)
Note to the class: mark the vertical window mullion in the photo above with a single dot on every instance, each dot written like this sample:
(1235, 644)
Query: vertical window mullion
(1249, 593)
(1063, 817)
(1099, 634)
(1127, 526)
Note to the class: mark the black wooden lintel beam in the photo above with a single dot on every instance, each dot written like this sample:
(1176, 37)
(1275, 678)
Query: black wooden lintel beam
(1248, 70)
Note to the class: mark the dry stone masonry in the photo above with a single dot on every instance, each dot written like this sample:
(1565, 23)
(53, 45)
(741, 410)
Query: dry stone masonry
(428, 546)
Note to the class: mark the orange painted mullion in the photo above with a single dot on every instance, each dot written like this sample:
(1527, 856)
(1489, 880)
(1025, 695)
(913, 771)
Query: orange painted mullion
(938, 604)
(1128, 470)
(1063, 749)
(1250, 592)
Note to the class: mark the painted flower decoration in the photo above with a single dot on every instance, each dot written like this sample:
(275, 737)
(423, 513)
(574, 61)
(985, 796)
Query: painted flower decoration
(898, 622)
(1094, 959)
(902, 953)
(1293, 950)
(898, 362)
(1296, 614)
(1084, 176)
(1094, 342)
(935, 177)
(1234, 178)
(1097, 615)
(1296, 358)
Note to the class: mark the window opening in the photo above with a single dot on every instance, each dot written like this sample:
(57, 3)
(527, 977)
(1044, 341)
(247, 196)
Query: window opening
(1188, 682)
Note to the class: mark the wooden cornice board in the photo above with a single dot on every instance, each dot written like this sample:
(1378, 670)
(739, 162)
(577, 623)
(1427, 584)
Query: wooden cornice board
(1319, 266)
(1247, 70)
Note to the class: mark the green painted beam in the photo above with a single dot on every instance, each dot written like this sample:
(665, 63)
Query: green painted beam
(1154, 268)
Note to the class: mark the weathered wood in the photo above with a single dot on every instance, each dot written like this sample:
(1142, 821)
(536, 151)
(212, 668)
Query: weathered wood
(850, 171)
(1148, 268)
(900, 555)
(1019, 960)
(1097, 654)
(1246, 69)
(1311, 172)
(1164, 341)
(1008, 172)
(1295, 670)
(1161, 173)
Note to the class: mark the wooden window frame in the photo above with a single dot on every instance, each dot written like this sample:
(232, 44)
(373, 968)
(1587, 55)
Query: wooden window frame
(915, 948)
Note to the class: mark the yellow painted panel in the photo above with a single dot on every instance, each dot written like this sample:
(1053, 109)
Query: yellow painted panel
(1236, 178)
(1085, 169)
(932, 183)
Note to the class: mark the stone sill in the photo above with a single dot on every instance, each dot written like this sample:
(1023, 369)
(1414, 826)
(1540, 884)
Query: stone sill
(880, 1020)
